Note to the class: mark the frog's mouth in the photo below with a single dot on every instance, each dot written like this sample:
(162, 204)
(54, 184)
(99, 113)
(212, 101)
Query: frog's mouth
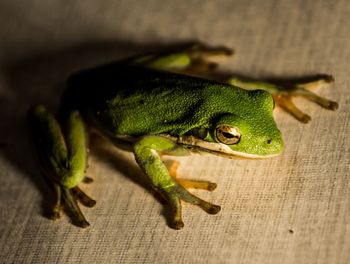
(219, 149)
(197, 145)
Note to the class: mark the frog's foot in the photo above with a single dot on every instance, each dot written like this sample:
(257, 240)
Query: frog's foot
(193, 59)
(283, 97)
(174, 194)
(204, 58)
(303, 89)
(283, 93)
(82, 197)
(62, 158)
(68, 199)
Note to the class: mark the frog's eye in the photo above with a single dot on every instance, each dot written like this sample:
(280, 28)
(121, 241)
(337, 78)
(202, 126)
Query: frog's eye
(227, 134)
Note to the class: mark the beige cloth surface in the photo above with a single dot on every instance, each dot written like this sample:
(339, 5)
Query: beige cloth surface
(294, 208)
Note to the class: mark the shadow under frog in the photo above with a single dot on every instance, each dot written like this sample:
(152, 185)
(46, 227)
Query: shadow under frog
(40, 78)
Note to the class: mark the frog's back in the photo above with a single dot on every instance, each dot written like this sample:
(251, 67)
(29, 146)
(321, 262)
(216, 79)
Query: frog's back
(127, 81)
(131, 100)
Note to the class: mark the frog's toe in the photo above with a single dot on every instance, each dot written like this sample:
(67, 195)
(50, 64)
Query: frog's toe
(196, 184)
(317, 81)
(204, 52)
(303, 90)
(176, 217)
(56, 209)
(204, 58)
(323, 102)
(70, 197)
(178, 193)
(332, 105)
(67, 199)
(55, 212)
(83, 197)
(286, 103)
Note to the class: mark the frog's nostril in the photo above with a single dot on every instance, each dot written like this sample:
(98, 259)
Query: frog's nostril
(269, 141)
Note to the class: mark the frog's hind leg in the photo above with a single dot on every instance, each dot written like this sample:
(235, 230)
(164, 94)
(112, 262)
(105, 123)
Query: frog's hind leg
(283, 93)
(147, 153)
(194, 59)
(62, 159)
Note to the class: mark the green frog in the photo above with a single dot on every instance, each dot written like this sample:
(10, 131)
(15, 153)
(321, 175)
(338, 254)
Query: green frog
(161, 104)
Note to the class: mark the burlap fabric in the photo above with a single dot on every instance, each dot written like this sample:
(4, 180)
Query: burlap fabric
(294, 208)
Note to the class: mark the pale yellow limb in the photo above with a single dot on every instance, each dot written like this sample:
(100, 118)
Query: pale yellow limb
(191, 184)
(286, 103)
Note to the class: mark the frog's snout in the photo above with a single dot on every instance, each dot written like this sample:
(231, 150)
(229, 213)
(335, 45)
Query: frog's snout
(274, 145)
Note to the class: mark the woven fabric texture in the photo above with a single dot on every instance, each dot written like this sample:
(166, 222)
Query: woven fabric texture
(294, 208)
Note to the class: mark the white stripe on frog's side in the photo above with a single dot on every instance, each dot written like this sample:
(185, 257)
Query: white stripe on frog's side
(200, 145)
(219, 149)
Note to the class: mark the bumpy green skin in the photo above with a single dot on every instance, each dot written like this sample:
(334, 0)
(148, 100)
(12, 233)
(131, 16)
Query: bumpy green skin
(76, 140)
(135, 101)
(63, 160)
(150, 161)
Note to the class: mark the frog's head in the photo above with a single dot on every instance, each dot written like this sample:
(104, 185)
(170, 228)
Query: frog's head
(253, 133)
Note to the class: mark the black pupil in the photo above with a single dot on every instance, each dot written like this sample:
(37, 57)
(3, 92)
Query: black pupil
(228, 135)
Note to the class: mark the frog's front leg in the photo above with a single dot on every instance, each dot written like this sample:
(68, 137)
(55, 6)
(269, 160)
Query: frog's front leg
(147, 153)
(283, 93)
(62, 157)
